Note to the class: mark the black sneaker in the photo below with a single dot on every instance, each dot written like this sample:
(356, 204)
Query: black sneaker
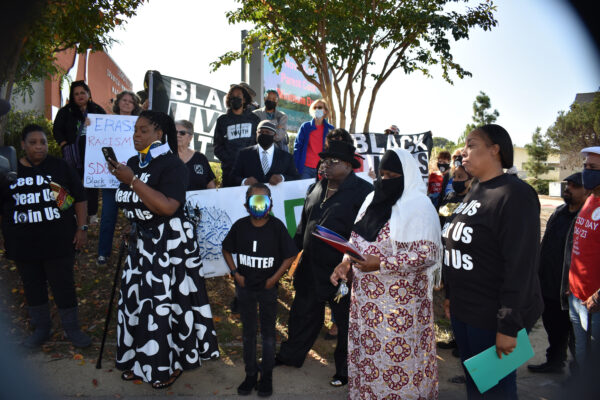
(246, 387)
(338, 381)
(265, 385)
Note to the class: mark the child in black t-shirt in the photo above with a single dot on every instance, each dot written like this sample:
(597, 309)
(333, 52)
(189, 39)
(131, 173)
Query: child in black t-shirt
(264, 251)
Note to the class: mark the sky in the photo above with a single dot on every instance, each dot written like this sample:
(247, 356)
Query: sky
(531, 65)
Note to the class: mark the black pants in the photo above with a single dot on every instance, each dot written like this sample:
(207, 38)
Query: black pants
(267, 303)
(91, 195)
(559, 329)
(58, 272)
(306, 320)
(92, 201)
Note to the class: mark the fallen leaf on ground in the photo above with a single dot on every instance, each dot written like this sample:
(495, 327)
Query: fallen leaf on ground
(95, 382)
(78, 357)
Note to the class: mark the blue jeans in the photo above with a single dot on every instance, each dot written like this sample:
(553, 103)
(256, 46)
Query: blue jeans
(579, 318)
(108, 221)
(308, 173)
(472, 341)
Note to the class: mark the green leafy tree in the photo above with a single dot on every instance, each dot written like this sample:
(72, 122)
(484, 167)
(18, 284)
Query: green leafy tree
(341, 40)
(51, 26)
(444, 143)
(482, 115)
(576, 129)
(538, 150)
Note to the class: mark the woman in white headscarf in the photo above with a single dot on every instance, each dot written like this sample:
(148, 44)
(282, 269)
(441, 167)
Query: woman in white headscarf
(391, 343)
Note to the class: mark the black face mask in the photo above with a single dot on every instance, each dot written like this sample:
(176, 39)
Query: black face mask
(443, 167)
(265, 141)
(235, 103)
(389, 189)
(270, 104)
(459, 186)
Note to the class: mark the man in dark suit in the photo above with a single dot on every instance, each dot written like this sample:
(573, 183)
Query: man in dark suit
(263, 162)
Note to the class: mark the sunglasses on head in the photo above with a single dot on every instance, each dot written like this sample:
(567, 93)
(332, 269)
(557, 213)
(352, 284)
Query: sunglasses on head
(182, 133)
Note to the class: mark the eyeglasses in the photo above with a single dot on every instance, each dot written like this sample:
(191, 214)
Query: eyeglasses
(319, 107)
(182, 133)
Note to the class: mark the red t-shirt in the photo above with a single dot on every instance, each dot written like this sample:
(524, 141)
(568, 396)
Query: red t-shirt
(315, 146)
(435, 183)
(584, 275)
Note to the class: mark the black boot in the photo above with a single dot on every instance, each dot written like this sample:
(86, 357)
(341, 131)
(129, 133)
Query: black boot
(40, 320)
(70, 324)
(547, 367)
(265, 385)
(246, 387)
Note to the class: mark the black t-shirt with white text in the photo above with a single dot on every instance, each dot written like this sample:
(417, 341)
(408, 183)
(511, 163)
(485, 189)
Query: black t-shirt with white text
(490, 256)
(260, 250)
(166, 174)
(34, 227)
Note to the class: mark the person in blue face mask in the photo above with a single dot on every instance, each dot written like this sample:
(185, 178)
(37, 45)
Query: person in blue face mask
(265, 250)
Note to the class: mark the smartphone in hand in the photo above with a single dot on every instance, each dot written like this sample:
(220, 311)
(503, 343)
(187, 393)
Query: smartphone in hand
(109, 152)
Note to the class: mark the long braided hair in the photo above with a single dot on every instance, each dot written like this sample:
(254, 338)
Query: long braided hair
(165, 123)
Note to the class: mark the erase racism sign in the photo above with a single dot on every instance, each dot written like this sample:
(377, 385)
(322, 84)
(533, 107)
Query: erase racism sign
(114, 131)
(372, 146)
(194, 102)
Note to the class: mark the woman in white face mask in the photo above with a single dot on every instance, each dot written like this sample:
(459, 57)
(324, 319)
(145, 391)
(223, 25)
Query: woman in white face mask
(311, 140)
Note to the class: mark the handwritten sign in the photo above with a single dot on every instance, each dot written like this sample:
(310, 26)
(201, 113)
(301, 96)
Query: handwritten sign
(114, 131)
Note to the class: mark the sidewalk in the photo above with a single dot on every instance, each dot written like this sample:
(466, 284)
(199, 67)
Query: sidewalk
(68, 378)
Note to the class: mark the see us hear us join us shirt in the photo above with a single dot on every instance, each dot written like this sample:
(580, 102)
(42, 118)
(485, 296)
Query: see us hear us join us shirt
(490, 256)
(33, 226)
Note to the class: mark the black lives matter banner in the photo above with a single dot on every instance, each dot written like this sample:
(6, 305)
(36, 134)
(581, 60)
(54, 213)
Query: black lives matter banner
(372, 146)
(197, 103)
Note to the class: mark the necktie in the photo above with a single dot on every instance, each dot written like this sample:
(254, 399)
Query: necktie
(264, 160)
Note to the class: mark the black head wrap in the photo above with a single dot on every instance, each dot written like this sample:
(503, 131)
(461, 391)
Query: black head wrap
(166, 124)
(387, 193)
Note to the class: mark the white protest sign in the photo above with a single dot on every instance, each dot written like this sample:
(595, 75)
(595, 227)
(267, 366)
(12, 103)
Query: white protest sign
(114, 131)
(218, 209)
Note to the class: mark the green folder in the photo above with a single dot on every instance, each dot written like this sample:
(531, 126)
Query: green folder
(487, 369)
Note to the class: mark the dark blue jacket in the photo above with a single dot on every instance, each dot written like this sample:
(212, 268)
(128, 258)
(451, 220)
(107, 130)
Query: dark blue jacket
(301, 142)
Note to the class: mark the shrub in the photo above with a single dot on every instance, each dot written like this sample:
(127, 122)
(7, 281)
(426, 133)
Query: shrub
(17, 120)
(541, 186)
(216, 168)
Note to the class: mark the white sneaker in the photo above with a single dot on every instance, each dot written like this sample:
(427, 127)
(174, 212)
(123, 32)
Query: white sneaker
(93, 220)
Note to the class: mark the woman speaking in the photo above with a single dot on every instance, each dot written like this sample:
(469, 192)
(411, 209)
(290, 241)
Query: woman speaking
(164, 320)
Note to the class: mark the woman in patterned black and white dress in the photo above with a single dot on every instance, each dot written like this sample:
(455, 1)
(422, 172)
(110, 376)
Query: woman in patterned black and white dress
(164, 319)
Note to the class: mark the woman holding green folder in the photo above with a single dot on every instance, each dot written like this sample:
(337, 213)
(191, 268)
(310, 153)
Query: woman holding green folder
(490, 256)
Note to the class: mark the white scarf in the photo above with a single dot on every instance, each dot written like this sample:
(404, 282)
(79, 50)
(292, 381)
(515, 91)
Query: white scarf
(413, 216)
